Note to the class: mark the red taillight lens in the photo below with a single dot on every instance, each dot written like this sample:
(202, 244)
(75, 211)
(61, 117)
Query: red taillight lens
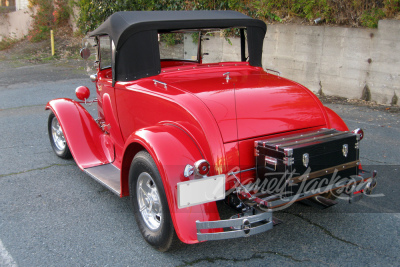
(360, 132)
(202, 167)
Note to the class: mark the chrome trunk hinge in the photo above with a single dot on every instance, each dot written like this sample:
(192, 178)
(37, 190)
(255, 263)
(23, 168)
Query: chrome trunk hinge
(256, 151)
(288, 161)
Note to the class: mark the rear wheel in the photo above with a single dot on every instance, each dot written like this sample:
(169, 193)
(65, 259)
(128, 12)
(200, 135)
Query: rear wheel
(57, 138)
(149, 203)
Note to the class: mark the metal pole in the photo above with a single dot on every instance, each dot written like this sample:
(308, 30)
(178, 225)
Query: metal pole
(52, 42)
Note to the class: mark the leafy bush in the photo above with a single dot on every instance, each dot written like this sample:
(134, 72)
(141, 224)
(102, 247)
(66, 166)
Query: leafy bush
(7, 42)
(49, 15)
(355, 12)
(392, 7)
(370, 18)
(93, 13)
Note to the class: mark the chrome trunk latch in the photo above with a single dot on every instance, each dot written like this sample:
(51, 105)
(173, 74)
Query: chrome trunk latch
(273, 162)
(345, 150)
(306, 159)
(158, 82)
(227, 76)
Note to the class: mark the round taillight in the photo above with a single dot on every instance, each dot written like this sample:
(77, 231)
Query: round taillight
(202, 167)
(82, 92)
(360, 132)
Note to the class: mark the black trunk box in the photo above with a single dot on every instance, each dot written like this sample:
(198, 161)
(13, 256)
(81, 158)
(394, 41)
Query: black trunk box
(325, 153)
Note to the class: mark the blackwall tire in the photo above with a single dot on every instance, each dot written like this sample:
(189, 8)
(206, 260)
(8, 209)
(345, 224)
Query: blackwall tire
(57, 138)
(150, 204)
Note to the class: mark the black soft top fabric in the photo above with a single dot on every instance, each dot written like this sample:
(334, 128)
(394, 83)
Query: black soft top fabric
(134, 34)
(120, 25)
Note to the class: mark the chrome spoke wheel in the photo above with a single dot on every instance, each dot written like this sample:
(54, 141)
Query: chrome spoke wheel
(149, 201)
(57, 138)
(57, 134)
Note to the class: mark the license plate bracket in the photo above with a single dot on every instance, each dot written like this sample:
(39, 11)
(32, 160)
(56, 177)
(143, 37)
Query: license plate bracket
(200, 191)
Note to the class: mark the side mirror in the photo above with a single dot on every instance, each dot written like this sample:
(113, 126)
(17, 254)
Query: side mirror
(85, 53)
(82, 93)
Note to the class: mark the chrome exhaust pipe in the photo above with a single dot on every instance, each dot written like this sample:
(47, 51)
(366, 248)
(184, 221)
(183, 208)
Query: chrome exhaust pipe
(319, 202)
(367, 188)
(372, 184)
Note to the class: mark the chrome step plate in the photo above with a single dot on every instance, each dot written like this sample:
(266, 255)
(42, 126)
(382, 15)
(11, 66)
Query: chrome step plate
(108, 175)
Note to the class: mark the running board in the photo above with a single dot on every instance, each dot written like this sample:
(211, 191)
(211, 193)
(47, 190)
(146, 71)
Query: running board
(108, 175)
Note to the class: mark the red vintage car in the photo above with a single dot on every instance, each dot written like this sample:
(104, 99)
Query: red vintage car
(187, 117)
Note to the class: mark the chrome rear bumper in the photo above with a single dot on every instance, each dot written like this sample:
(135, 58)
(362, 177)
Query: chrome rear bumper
(239, 227)
(355, 188)
(254, 224)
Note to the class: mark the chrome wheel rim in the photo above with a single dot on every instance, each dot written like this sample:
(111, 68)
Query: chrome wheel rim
(58, 135)
(149, 201)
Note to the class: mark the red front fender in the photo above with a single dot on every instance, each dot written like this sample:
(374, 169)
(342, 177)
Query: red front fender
(172, 149)
(84, 137)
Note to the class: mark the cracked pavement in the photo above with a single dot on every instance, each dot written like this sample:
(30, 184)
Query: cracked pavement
(52, 214)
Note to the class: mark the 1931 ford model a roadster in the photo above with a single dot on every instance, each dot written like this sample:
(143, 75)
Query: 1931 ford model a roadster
(179, 128)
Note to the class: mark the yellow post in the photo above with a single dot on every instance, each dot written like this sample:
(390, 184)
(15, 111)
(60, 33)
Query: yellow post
(52, 42)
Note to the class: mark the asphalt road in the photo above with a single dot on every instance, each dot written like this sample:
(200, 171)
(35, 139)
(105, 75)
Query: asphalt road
(52, 214)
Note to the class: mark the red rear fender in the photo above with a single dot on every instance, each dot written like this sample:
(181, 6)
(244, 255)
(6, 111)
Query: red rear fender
(334, 121)
(172, 149)
(88, 143)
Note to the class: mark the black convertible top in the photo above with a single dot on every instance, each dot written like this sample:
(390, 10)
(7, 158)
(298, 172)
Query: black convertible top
(135, 41)
(120, 25)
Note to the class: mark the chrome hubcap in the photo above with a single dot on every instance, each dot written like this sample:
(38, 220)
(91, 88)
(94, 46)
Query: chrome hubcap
(149, 201)
(58, 135)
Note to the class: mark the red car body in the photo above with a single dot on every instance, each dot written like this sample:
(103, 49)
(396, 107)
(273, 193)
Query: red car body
(187, 112)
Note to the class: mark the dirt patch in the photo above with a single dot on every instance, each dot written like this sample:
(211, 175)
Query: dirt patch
(24, 52)
(358, 102)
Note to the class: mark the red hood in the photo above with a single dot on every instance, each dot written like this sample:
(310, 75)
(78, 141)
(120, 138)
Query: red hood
(265, 104)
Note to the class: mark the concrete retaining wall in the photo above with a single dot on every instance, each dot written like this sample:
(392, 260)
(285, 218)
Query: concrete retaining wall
(348, 62)
(337, 60)
(15, 24)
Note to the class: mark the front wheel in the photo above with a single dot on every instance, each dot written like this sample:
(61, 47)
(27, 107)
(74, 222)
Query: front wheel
(57, 138)
(149, 203)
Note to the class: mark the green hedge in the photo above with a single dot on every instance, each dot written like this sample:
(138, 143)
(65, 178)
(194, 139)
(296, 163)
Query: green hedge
(354, 13)
(93, 13)
(48, 15)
